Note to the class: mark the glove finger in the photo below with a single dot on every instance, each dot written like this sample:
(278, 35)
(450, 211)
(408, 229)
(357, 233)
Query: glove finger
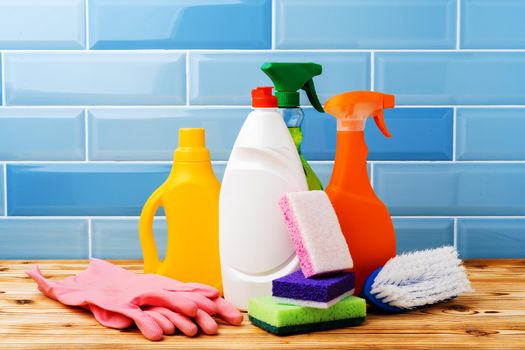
(228, 312)
(110, 319)
(202, 302)
(167, 299)
(44, 285)
(206, 322)
(203, 289)
(184, 323)
(147, 325)
(167, 326)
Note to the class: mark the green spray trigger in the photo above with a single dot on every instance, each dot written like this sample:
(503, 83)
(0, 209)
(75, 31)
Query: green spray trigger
(312, 95)
(290, 77)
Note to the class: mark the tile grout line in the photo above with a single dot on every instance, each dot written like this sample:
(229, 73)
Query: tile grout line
(458, 23)
(454, 133)
(218, 162)
(187, 78)
(137, 217)
(4, 184)
(129, 217)
(257, 51)
(86, 135)
(2, 73)
(274, 25)
(236, 106)
(372, 174)
(372, 70)
(86, 26)
(90, 239)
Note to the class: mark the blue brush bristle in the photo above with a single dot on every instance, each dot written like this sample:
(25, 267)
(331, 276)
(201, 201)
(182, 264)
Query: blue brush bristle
(377, 303)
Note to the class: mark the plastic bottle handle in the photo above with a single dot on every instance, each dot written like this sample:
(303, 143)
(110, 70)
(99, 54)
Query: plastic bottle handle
(147, 238)
(379, 118)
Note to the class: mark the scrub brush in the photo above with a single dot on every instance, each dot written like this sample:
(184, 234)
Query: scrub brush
(415, 279)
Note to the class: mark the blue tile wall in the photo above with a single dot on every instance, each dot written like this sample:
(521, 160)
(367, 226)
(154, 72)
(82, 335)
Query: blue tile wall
(152, 134)
(48, 134)
(451, 189)
(442, 78)
(42, 24)
(43, 239)
(492, 24)
(2, 193)
(119, 239)
(490, 134)
(83, 189)
(494, 238)
(102, 78)
(92, 94)
(372, 24)
(227, 78)
(2, 78)
(186, 24)
(417, 234)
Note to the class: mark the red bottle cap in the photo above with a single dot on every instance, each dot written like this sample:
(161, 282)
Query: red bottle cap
(262, 97)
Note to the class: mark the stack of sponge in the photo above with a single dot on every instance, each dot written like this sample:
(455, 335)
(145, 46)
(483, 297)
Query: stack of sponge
(319, 296)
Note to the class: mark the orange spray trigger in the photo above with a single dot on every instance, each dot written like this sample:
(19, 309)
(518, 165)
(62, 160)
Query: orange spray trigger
(353, 108)
(379, 118)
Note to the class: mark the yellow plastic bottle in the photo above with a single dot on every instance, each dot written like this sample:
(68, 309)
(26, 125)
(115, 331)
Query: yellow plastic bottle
(190, 197)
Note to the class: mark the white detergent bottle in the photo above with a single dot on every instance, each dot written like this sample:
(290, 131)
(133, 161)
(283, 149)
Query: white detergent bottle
(264, 165)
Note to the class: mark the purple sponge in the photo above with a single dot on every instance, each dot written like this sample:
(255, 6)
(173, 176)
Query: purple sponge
(319, 292)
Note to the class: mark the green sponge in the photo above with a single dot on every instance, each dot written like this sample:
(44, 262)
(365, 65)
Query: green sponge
(285, 319)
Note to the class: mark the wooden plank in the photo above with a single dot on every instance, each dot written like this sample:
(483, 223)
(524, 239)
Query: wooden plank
(492, 317)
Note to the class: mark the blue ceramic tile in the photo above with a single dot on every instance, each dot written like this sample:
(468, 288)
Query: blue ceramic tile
(451, 189)
(490, 134)
(2, 194)
(228, 78)
(95, 78)
(1, 78)
(491, 238)
(418, 134)
(418, 234)
(83, 189)
(487, 78)
(492, 24)
(41, 134)
(182, 24)
(152, 134)
(43, 239)
(358, 24)
(37, 24)
(119, 239)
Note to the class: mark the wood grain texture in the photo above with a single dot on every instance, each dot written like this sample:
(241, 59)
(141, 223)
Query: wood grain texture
(492, 317)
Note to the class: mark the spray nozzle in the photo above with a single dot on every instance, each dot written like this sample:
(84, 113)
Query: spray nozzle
(290, 77)
(353, 108)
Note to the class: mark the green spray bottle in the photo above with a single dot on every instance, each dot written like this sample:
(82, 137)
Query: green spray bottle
(288, 78)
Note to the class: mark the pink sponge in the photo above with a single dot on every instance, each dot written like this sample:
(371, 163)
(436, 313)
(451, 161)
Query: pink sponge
(315, 232)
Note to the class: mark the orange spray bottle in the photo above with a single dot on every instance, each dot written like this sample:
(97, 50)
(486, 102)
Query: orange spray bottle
(364, 219)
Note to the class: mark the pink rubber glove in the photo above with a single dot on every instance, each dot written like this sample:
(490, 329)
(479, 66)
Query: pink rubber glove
(115, 296)
(170, 321)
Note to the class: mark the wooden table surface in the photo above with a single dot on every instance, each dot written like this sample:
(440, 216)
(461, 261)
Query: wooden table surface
(492, 317)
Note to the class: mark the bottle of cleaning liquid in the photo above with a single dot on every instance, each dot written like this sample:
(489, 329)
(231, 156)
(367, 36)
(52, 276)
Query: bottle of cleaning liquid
(288, 78)
(190, 198)
(364, 219)
(263, 166)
